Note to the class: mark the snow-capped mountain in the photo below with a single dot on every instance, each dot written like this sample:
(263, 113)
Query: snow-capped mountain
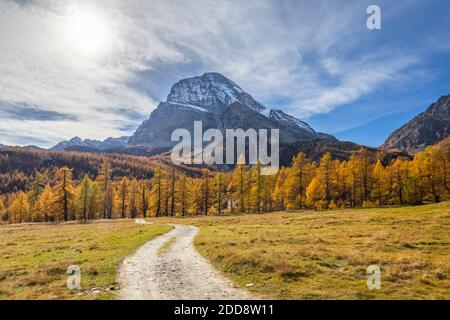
(282, 117)
(108, 143)
(211, 92)
(219, 103)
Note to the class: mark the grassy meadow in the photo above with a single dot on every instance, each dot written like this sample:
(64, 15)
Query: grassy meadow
(34, 258)
(324, 255)
(284, 255)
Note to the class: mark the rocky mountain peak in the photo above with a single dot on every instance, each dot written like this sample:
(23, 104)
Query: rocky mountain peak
(427, 128)
(211, 92)
(220, 103)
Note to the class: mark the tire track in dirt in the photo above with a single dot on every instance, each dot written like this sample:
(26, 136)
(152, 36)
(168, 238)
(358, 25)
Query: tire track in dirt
(176, 271)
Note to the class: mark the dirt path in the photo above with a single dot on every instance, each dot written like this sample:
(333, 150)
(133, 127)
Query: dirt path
(169, 267)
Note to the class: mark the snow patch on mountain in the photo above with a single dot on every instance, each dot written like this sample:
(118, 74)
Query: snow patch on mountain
(191, 106)
(280, 116)
(211, 91)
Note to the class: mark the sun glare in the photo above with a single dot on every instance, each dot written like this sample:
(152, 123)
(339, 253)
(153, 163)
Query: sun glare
(88, 32)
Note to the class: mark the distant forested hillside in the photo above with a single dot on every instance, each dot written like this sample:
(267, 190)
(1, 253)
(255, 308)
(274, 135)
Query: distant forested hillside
(18, 166)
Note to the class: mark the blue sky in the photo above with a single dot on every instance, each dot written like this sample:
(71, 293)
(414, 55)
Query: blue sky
(96, 69)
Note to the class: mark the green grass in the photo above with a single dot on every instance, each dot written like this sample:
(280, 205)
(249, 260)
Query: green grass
(34, 258)
(166, 246)
(324, 255)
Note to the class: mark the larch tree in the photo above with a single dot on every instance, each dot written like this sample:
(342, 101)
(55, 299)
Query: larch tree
(3, 214)
(204, 197)
(219, 192)
(108, 201)
(143, 198)
(298, 178)
(257, 188)
(172, 190)
(156, 194)
(20, 208)
(84, 197)
(133, 207)
(123, 196)
(63, 193)
(183, 196)
(197, 196)
(46, 204)
(95, 202)
(342, 193)
(104, 183)
(365, 169)
(316, 194)
(378, 174)
(267, 189)
(353, 177)
(443, 150)
(430, 172)
(324, 175)
(279, 193)
(238, 186)
(398, 177)
(37, 186)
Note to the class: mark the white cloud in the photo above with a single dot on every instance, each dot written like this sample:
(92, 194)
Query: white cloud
(273, 49)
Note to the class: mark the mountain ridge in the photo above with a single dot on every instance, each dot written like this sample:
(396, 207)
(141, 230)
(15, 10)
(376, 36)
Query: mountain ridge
(216, 101)
(425, 129)
(108, 143)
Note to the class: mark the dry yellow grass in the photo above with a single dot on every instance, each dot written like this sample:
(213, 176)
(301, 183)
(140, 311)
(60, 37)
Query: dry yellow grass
(324, 255)
(297, 255)
(34, 258)
(166, 246)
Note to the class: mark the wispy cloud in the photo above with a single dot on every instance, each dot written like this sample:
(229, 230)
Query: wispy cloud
(26, 112)
(311, 58)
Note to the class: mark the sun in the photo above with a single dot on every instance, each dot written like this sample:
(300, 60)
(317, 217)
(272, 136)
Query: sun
(87, 31)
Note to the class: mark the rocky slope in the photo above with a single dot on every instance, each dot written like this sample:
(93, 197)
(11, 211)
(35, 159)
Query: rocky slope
(219, 103)
(428, 128)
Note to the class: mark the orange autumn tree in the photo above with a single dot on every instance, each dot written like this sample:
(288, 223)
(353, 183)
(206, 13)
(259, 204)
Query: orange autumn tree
(20, 208)
(64, 195)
